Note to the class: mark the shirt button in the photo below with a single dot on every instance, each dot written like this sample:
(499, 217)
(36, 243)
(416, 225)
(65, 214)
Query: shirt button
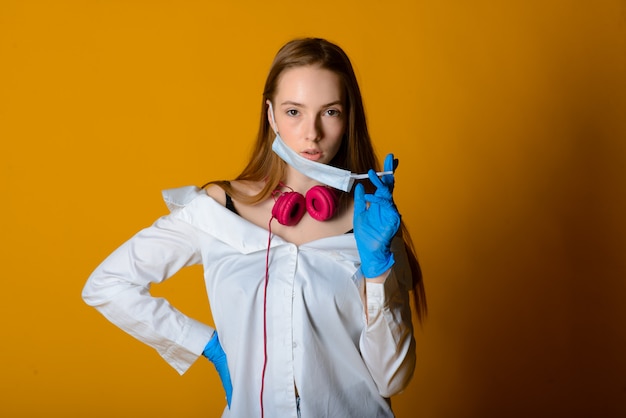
(292, 249)
(295, 344)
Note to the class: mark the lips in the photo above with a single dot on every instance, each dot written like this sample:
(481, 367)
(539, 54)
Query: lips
(311, 154)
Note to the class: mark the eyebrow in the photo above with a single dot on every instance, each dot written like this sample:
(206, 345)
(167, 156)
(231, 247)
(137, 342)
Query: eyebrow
(292, 103)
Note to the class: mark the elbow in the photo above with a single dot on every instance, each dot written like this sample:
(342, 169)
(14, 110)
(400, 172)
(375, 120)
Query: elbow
(100, 288)
(90, 294)
(402, 375)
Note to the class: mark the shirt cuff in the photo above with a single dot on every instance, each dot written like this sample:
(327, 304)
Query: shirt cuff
(185, 352)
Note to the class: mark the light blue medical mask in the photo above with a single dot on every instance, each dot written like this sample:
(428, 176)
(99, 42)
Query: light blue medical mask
(326, 174)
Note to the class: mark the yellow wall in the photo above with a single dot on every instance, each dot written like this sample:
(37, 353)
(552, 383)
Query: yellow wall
(508, 119)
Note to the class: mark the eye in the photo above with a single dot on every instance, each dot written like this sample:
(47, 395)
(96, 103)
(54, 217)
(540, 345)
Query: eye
(292, 112)
(333, 112)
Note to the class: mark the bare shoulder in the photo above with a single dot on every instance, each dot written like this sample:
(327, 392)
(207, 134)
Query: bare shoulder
(217, 193)
(247, 188)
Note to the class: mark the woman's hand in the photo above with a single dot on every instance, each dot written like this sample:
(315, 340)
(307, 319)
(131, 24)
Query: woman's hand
(376, 222)
(214, 352)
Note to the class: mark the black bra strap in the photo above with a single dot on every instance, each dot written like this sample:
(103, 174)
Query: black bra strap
(230, 205)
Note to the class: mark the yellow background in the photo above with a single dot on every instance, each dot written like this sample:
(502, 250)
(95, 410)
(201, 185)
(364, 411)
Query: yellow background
(508, 118)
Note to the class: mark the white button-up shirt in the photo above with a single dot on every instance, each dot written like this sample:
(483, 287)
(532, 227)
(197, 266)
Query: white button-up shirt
(319, 339)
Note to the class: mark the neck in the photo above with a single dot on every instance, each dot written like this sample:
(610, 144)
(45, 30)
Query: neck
(298, 181)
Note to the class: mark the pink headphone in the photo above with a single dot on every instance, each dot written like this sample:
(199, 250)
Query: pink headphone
(320, 202)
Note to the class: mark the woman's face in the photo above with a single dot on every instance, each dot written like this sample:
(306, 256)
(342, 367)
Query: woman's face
(309, 111)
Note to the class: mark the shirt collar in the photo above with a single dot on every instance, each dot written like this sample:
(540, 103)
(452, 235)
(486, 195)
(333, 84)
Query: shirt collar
(193, 205)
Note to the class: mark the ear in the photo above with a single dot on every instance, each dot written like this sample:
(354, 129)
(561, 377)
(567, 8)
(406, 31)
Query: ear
(270, 116)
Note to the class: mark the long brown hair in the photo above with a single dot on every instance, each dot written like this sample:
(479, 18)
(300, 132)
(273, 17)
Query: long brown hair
(356, 152)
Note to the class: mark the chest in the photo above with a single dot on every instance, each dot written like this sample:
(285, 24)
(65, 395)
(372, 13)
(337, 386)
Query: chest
(306, 230)
(326, 263)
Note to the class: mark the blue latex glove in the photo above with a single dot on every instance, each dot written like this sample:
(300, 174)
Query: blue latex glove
(376, 224)
(214, 352)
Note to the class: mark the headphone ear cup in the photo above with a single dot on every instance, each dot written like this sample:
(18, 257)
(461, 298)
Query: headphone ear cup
(321, 203)
(289, 208)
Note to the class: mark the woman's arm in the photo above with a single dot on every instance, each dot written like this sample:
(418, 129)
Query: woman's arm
(119, 289)
(387, 343)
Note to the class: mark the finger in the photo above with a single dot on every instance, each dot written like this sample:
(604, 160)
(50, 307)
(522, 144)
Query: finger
(390, 164)
(359, 199)
(383, 201)
(383, 189)
(375, 179)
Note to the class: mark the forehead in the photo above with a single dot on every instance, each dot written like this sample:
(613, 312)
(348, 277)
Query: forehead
(309, 84)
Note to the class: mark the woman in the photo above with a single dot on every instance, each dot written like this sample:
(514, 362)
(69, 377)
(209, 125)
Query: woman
(308, 285)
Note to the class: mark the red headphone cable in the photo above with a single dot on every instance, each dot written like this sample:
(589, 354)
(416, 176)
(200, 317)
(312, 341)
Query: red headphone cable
(267, 276)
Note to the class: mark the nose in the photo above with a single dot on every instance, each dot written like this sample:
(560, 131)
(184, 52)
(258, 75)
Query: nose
(313, 130)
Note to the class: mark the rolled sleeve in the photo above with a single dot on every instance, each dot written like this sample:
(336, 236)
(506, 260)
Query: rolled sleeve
(387, 343)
